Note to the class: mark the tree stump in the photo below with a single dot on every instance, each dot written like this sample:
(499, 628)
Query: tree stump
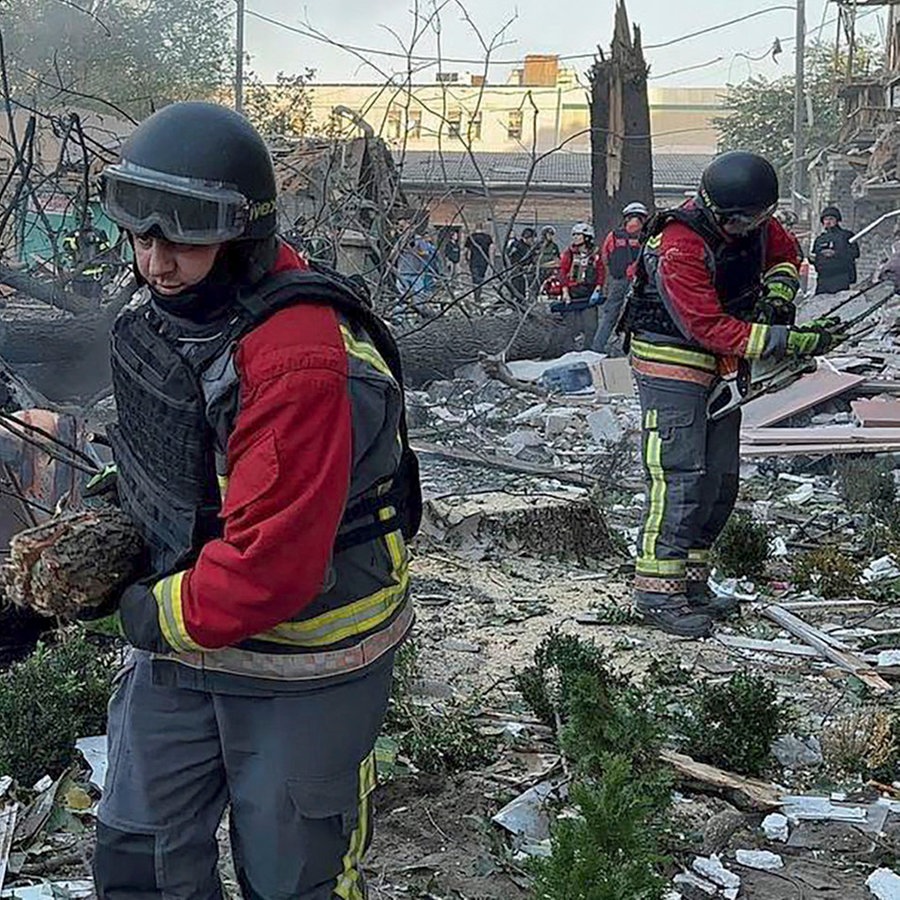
(74, 562)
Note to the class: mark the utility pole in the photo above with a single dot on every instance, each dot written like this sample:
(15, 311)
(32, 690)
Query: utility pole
(799, 101)
(239, 60)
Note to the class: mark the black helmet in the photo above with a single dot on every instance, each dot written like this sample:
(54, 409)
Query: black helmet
(198, 172)
(739, 187)
(830, 211)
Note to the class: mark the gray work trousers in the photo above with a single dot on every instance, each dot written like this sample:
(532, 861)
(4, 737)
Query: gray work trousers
(616, 291)
(692, 467)
(296, 768)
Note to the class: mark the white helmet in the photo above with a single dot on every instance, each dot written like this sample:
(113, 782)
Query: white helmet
(635, 209)
(583, 228)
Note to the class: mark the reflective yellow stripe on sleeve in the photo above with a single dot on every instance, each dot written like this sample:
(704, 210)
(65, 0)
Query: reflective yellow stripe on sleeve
(782, 268)
(756, 343)
(171, 614)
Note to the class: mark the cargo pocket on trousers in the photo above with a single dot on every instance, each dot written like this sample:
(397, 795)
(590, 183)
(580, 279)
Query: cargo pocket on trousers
(328, 816)
(681, 440)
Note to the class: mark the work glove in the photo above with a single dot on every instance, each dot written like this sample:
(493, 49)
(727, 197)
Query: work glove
(596, 297)
(104, 485)
(813, 338)
(774, 309)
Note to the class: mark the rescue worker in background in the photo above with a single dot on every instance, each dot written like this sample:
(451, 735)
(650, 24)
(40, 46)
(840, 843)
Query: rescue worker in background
(833, 255)
(478, 256)
(619, 254)
(520, 253)
(547, 255)
(580, 266)
(87, 248)
(716, 278)
(260, 450)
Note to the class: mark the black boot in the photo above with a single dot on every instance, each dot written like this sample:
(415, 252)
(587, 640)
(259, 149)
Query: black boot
(703, 599)
(674, 614)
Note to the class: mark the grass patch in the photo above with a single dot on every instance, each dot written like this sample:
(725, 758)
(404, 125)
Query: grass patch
(827, 572)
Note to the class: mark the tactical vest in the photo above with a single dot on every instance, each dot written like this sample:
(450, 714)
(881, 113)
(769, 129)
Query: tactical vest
(177, 394)
(736, 266)
(626, 249)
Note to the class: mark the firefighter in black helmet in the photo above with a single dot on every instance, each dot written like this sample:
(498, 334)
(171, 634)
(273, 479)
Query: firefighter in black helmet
(833, 255)
(715, 281)
(261, 453)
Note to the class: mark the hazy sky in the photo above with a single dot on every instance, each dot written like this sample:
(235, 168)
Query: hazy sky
(538, 26)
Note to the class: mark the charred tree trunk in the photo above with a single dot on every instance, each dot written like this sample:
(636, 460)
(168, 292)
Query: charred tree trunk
(440, 347)
(621, 148)
(49, 292)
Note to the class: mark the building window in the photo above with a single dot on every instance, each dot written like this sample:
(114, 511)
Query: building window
(475, 127)
(514, 125)
(454, 119)
(394, 124)
(414, 124)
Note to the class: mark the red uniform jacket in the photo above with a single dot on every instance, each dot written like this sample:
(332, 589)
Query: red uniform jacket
(685, 280)
(289, 466)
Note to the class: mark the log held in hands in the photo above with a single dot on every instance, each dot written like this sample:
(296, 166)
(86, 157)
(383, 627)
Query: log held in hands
(74, 562)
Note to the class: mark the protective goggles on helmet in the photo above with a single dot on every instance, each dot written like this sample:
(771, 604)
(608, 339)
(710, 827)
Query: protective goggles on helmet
(743, 222)
(186, 210)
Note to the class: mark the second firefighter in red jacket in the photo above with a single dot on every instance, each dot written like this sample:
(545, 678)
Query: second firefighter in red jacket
(715, 279)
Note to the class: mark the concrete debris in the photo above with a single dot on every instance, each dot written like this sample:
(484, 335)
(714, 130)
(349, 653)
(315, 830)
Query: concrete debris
(527, 816)
(776, 827)
(798, 753)
(884, 884)
(51, 890)
(688, 881)
(760, 859)
(800, 808)
(605, 427)
(711, 868)
(889, 658)
(884, 568)
(94, 751)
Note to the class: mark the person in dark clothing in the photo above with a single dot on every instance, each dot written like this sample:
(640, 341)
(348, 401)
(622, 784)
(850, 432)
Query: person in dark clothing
(520, 252)
(88, 251)
(833, 255)
(478, 255)
(619, 254)
(547, 254)
(451, 250)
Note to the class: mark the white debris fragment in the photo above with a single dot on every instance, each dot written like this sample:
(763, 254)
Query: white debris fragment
(93, 749)
(817, 808)
(712, 869)
(760, 859)
(884, 884)
(605, 427)
(779, 548)
(881, 569)
(776, 827)
(889, 658)
(802, 495)
(690, 880)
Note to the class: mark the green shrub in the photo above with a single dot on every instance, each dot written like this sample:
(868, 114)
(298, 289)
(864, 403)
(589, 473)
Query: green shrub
(50, 699)
(559, 661)
(733, 724)
(439, 741)
(866, 484)
(827, 572)
(610, 851)
(743, 548)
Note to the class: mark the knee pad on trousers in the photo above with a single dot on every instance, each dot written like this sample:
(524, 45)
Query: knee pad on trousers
(125, 865)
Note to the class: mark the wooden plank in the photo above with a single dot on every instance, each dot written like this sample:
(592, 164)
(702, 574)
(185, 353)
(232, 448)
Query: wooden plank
(749, 451)
(804, 393)
(825, 644)
(738, 642)
(826, 434)
(873, 414)
(748, 793)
